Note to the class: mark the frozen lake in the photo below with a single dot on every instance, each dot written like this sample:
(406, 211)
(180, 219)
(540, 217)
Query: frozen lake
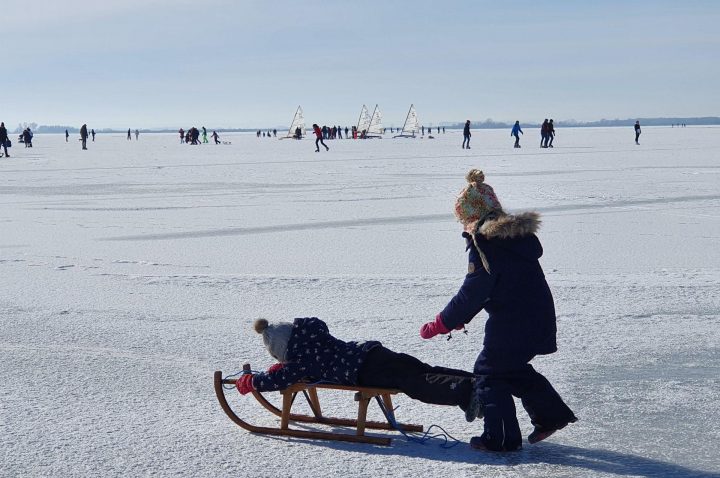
(131, 271)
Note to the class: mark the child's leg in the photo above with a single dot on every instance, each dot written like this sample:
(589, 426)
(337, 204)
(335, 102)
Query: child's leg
(501, 430)
(543, 404)
(437, 385)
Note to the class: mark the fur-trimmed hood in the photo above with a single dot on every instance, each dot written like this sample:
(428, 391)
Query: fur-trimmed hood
(514, 233)
(508, 226)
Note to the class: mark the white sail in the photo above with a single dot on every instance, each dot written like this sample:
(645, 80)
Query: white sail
(297, 122)
(375, 126)
(364, 120)
(412, 125)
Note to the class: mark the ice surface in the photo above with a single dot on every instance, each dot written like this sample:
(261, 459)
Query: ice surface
(131, 271)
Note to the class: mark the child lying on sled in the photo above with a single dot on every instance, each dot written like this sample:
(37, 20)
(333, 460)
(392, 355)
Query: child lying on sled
(307, 352)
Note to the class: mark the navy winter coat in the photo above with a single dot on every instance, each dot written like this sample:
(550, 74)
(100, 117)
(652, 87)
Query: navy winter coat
(505, 278)
(314, 355)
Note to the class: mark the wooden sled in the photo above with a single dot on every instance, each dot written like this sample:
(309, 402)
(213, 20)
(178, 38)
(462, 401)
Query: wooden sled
(363, 395)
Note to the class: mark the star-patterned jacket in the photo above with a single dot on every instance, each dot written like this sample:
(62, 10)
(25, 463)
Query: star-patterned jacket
(314, 355)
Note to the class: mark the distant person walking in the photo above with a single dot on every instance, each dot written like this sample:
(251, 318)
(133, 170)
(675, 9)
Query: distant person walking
(27, 137)
(637, 132)
(92, 133)
(466, 135)
(67, 135)
(515, 130)
(551, 133)
(216, 137)
(544, 134)
(204, 135)
(319, 138)
(84, 136)
(182, 135)
(4, 138)
(137, 133)
(129, 136)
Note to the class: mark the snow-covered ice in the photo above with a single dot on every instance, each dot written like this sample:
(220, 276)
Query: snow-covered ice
(131, 271)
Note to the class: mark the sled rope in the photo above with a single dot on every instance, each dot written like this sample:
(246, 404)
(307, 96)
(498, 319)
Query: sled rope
(425, 437)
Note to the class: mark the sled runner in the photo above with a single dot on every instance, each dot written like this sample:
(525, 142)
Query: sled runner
(363, 395)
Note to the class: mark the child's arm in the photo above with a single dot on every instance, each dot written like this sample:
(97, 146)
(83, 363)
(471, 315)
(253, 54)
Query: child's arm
(279, 379)
(469, 300)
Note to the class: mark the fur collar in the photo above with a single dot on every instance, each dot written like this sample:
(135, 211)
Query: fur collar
(508, 226)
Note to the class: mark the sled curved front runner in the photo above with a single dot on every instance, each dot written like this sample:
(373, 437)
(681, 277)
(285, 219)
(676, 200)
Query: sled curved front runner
(363, 395)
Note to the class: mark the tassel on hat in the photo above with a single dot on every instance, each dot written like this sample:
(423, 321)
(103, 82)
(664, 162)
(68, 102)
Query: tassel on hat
(475, 204)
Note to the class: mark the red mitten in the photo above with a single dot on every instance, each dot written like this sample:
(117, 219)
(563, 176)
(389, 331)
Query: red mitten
(244, 384)
(431, 329)
(275, 367)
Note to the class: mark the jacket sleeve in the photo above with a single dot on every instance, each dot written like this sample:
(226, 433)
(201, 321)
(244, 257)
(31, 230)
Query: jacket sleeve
(469, 300)
(281, 379)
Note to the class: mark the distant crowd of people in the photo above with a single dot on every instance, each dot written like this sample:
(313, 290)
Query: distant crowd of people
(194, 136)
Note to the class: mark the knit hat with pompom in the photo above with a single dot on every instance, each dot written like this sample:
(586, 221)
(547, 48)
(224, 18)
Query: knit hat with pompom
(275, 337)
(477, 201)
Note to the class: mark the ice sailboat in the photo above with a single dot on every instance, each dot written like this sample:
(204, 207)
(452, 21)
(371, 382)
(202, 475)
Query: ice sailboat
(411, 126)
(297, 127)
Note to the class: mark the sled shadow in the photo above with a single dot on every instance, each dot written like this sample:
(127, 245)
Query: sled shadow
(596, 460)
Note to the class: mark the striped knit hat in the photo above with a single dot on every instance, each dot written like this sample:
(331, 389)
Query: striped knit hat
(476, 202)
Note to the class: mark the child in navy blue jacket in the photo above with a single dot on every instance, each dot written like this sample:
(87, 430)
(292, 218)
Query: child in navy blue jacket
(505, 278)
(307, 352)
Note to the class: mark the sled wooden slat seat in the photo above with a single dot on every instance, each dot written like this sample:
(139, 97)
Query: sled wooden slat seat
(363, 395)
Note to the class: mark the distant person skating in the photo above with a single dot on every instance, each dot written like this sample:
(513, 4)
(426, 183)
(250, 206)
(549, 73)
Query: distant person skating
(346, 132)
(515, 130)
(319, 138)
(637, 132)
(544, 134)
(67, 136)
(129, 136)
(4, 138)
(216, 137)
(550, 133)
(204, 135)
(137, 133)
(466, 135)
(92, 133)
(84, 135)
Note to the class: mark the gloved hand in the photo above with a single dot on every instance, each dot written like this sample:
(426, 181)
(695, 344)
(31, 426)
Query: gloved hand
(275, 367)
(244, 384)
(431, 329)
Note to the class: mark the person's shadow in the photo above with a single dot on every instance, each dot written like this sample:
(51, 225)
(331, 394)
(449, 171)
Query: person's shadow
(597, 460)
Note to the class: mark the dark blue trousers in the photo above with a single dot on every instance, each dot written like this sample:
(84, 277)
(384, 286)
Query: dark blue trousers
(502, 375)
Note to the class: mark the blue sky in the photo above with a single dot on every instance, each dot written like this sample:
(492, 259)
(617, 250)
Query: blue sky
(145, 63)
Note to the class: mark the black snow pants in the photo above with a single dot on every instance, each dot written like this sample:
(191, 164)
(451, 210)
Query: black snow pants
(502, 375)
(420, 381)
(319, 141)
